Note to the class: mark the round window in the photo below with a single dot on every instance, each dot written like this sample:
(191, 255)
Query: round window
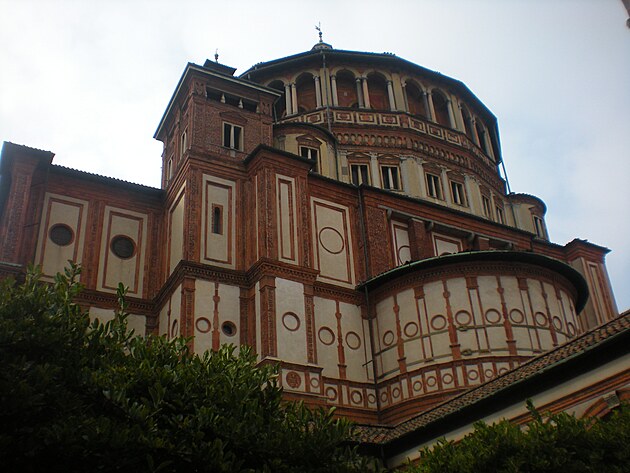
(228, 329)
(123, 247)
(61, 234)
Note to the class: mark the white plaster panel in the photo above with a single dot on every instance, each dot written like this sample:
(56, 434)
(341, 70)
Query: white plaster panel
(218, 246)
(333, 242)
(286, 217)
(113, 269)
(290, 321)
(326, 336)
(400, 232)
(176, 231)
(135, 322)
(67, 211)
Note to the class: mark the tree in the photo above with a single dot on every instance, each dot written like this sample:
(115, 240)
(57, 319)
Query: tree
(77, 395)
(553, 443)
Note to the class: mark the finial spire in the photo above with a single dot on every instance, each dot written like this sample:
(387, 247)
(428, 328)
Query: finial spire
(319, 28)
(216, 55)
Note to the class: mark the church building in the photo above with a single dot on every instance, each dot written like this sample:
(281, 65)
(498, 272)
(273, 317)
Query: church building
(345, 214)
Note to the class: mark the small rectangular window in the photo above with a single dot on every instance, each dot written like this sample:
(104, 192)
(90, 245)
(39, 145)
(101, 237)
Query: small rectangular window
(390, 177)
(183, 144)
(232, 136)
(312, 154)
(360, 174)
(539, 226)
(458, 194)
(487, 210)
(434, 186)
(500, 216)
(217, 219)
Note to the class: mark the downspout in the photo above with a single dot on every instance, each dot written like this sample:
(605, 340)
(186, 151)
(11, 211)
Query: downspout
(367, 302)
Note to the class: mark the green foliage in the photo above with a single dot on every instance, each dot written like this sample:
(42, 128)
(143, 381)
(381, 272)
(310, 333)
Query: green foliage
(555, 443)
(77, 396)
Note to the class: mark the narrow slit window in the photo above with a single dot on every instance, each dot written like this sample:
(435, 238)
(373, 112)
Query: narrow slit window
(458, 194)
(217, 219)
(487, 210)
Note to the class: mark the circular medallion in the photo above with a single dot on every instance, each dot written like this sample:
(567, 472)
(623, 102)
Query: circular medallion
(541, 319)
(331, 393)
(326, 336)
(493, 316)
(203, 325)
(174, 328)
(388, 338)
(356, 397)
(371, 398)
(314, 383)
(557, 323)
(331, 240)
(473, 375)
(417, 386)
(489, 373)
(228, 328)
(396, 392)
(291, 321)
(123, 246)
(384, 397)
(447, 378)
(411, 329)
(293, 379)
(438, 322)
(571, 329)
(463, 318)
(353, 340)
(431, 381)
(61, 234)
(516, 316)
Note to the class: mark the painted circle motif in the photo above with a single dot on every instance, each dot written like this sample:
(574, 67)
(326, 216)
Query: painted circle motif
(353, 340)
(293, 379)
(417, 386)
(384, 397)
(541, 319)
(388, 338)
(291, 321)
(331, 240)
(463, 318)
(174, 328)
(371, 398)
(502, 370)
(203, 325)
(411, 329)
(473, 375)
(438, 322)
(331, 393)
(489, 373)
(431, 381)
(403, 254)
(516, 316)
(557, 323)
(61, 234)
(314, 383)
(326, 336)
(447, 378)
(571, 329)
(356, 397)
(396, 392)
(228, 328)
(493, 316)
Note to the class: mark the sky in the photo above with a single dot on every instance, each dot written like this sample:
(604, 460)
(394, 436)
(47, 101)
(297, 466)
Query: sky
(90, 80)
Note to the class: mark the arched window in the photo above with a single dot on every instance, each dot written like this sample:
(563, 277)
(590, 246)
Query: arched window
(440, 105)
(415, 100)
(468, 124)
(306, 97)
(280, 107)
(347, 89)
(377, 87)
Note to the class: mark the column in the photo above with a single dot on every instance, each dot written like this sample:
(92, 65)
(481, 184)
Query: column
(475, 136)
(335, 98)
(404, 89)
(449, 109)
(294, 107)
(359, 92)
(376, 173)
(287, 99)
(366, 92)
(390, 95)
(428, 97)
(318, 92)
(446, 187)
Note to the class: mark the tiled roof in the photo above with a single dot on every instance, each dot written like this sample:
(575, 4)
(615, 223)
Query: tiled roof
(528, 370)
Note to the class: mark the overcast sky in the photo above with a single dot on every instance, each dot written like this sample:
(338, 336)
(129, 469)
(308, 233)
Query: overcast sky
(89, 81)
